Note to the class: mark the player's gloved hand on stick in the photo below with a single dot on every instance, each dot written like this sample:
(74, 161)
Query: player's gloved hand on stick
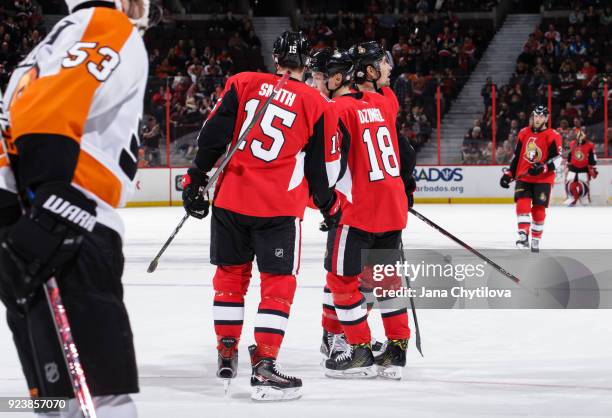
(537, 169)
(331, 213)
(410, 187)
(46, 240)
(194, 202)
(506, 179)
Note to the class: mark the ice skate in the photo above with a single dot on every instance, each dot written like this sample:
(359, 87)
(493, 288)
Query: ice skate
(523, 242)
(356, 363)
(269, 384)
(535, 245)
(392, 359)
(227, 361)
(332, 345)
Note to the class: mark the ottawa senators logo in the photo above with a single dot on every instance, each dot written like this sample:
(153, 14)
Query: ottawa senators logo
(533, 153)
(578, 155)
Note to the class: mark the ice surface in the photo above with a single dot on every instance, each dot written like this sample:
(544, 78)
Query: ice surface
(478, 363)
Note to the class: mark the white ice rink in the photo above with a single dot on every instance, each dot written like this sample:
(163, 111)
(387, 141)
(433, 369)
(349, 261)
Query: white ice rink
(478, 363)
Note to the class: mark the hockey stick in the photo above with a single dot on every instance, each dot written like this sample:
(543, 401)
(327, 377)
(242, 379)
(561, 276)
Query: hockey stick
(279, 85)
(413, 308)
(69, 349)
(466, 246)
(62, 328)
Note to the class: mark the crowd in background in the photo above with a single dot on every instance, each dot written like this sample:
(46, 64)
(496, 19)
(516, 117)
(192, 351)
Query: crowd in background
(430, 48)
(573, 55)
(21, 28)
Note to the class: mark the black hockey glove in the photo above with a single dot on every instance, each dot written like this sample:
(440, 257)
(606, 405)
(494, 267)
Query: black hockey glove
(194, 202)
(331, 214)
(537, 169)
(48, 238)
(505, 180)
(410, 187)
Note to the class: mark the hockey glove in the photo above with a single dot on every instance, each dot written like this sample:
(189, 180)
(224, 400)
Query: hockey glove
(410, 187)
(537, 169)
(331, 214)
(46, 240)
(593, 173)
(194, 202)
(506, 179)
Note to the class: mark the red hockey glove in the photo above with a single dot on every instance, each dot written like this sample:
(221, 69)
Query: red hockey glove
(593, 173)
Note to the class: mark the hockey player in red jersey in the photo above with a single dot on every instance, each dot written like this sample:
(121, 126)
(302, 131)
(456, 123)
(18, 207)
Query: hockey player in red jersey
(536, 157)
(374, 212)
(581, 162)
(259, 202)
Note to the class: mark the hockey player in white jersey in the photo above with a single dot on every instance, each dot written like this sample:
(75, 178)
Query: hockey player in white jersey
(73, 107)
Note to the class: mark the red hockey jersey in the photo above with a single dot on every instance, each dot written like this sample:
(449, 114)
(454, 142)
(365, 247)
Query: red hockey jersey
(581, 156)
(293, 149)
(536, 147)
(372, 184)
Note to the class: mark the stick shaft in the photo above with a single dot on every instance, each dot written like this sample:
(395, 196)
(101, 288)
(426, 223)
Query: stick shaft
(466, 246)
(69, 349)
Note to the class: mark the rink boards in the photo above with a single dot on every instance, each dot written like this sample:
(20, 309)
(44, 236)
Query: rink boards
(435, 184)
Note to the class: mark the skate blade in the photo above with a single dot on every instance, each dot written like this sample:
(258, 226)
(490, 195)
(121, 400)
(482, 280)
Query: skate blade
(390, 372)
(226, 387)
(522, 246)
(354, 373)
(270, 394)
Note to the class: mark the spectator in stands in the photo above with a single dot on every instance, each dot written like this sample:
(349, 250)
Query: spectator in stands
(151, 135)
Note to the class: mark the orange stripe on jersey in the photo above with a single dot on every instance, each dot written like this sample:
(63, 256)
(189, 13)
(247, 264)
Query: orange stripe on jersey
(91, 175)
(59, 104)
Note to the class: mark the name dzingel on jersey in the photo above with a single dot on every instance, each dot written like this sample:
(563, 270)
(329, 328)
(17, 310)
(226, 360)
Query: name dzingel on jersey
(283, 96)
(370, 115)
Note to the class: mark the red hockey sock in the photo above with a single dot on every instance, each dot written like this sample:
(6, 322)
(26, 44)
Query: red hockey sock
(523, 207)
(392, 309)
(538, 214)
(276, 298)
(230, 284)
(348, 302)
(366, 284)
(329, 319)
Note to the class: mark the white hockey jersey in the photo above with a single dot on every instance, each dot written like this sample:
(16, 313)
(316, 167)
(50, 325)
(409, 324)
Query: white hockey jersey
(85, 81)
(7, 180)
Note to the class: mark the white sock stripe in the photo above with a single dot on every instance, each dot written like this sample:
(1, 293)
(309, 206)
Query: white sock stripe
(341, 249)
(328, 299)
(537, 227)
(228, 313)
(523, 219)
(296, 245)
(266, 320)
(347, 315)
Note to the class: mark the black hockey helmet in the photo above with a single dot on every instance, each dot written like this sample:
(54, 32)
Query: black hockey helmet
(318, 60)
(291, 50)
(341, 62)
(540, 110)
(365, 54)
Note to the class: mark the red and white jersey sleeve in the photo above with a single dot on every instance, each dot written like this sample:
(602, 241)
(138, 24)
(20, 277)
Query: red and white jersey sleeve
(291, 151)
(375, 200)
